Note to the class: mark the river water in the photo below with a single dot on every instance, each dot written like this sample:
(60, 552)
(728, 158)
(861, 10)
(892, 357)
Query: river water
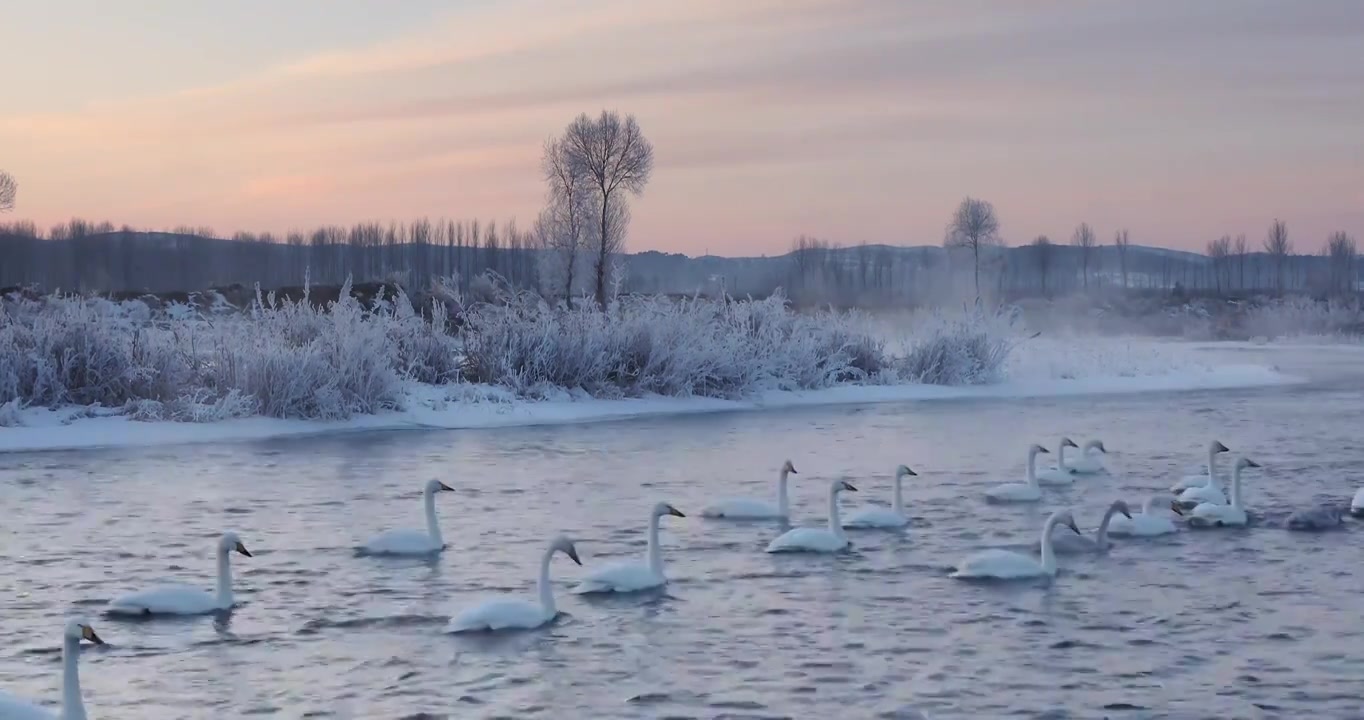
(1250, 623)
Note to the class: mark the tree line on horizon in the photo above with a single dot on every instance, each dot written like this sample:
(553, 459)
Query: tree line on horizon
(576, 249)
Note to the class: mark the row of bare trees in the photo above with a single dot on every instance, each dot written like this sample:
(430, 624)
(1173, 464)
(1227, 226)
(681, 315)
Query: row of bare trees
(589, 172)
(9, 190)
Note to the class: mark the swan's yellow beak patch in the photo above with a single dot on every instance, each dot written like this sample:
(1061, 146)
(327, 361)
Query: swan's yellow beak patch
(88, 633)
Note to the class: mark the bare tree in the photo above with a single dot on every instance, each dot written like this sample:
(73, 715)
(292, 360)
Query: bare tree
(1121, 242)
(1342, 255)
(974, 226)
(1219, 251)
(1083, 238)
(1042, 251)
(560, 228)
(614, 155)
(9, 188)
(1242, 253)
(1279, 247)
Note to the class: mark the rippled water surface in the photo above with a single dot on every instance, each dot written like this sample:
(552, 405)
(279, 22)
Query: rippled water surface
(1250, 623)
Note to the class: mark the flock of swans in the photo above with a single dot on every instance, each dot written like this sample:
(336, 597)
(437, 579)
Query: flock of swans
(1199, 499)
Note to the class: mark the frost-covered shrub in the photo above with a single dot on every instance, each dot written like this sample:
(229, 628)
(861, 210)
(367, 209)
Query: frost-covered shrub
(967, 350)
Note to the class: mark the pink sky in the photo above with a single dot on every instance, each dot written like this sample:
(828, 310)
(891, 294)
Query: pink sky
(854, 120)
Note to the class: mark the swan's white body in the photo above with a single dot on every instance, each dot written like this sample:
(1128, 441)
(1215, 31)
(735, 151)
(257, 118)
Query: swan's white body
(1061, 474)
(1150, 522)
(1188, 482)
(747, 509)
(1357, 504)
(1222, 515)
(413, 542)
(1071, 544)
(1006, 565)
(178, 599)
(879, 517)
(72, 707)
(823, 540)
(1028, 491)
(510, 613)
(1090, 460)
(631, 575)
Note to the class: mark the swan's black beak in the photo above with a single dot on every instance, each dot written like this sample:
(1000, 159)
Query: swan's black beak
(1075, 529)
(242, 549)
(910, 471)
(1126, 514)
(1043, 450)
(572, 554)
(1222, 448)
(675, 512)
(849, 487)
(1251, 463)
(88, 633)
(1174, 505)
(445, 488)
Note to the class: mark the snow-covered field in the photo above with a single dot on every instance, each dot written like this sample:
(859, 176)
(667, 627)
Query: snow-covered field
(87, 373)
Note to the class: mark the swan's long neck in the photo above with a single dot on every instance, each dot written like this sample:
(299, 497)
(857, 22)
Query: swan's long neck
(897, 501)
(432, 527)
(1212, 470)
(1236, 487)
(655, 554)
(835, 525)
(224, 579)
(1102, 538)
(1048, 554)
(1061, 457)
(1032, 468)
(542, 584)
(73, 708)
(783, 503)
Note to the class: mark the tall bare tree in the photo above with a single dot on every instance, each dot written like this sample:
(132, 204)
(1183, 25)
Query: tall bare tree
(561, 226)
(1279, 247)
(1042, 252)
(1083, 238)
(1121, 242)
(1342, 254)
(974, 226)
(615, 156)
(1219, 251)
(1242, 253)
(9, 188)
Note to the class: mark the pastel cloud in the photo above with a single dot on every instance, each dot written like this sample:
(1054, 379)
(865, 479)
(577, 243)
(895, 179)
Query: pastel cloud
(860, 120)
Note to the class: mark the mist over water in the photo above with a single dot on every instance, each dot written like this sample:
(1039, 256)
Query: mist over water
(1246, 623)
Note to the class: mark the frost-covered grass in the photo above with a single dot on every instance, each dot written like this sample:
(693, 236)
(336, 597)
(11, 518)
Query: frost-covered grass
(297, 360)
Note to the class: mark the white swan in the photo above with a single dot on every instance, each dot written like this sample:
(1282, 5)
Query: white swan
(1151, 521)
(413, 542)
(1211, 491)
(1357, 504)
(1020, 492)
(1090, 461)
(632, 575)
(1082, 544)
(745, 509)
(879, 517)
(72, 708)
(824, 540)
(185, 599)
(1061, 474)
(1006, 565)
(1220, 515)
(510, 613)
(1193, 481)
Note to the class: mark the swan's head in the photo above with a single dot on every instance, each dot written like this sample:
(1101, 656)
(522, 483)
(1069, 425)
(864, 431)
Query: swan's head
(81, 630)
(1245, 462)
(435, 486)
(1120, 506)
(1036, 449)
(1066, 518)
(1174, 504)
(231, 543)
(1067, 442)
(565, 546)
(663, 508)
(787, 467)
(1217, 447)
(904, 471)
(1096, 445)
(839, 486)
